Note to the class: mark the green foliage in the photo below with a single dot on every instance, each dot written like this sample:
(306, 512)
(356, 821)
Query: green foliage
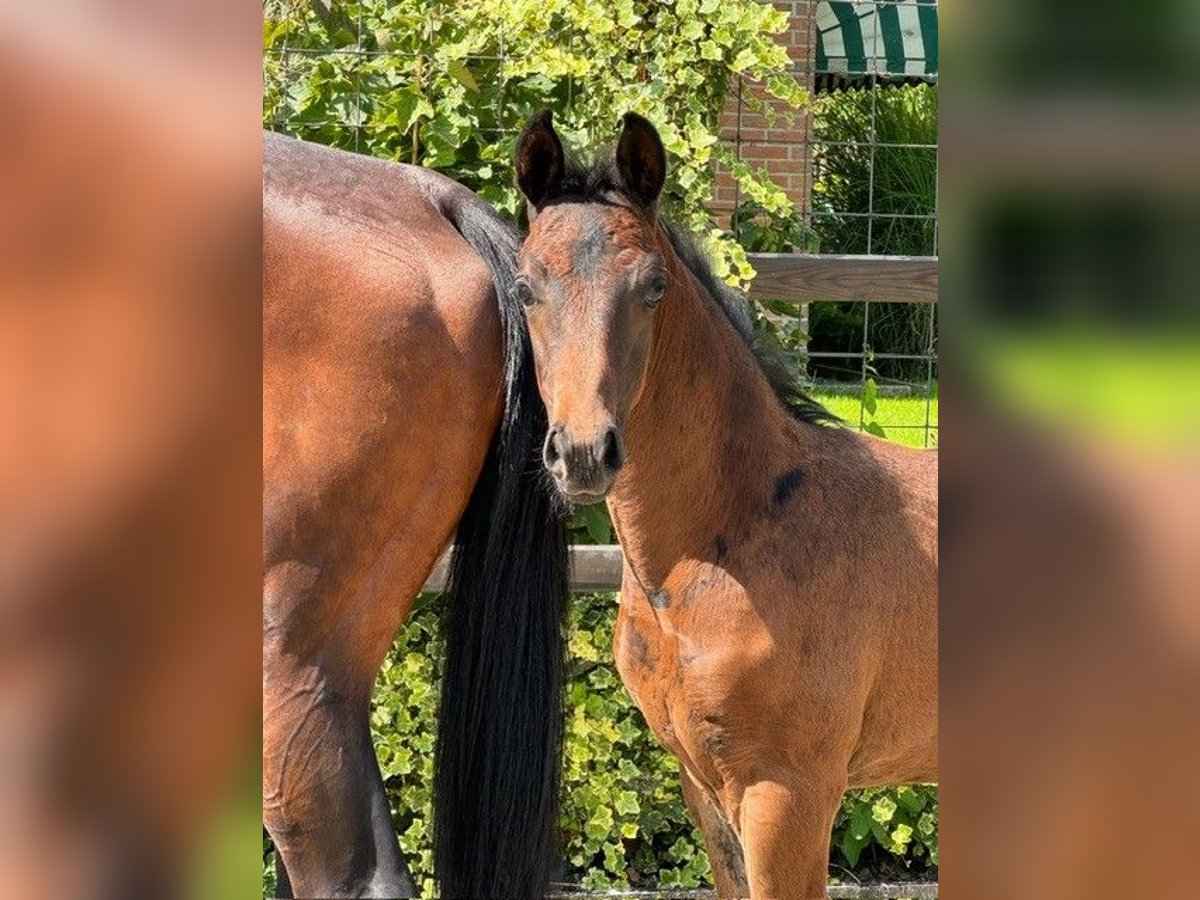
(903, 184)
(448, 85)
(268, 880)
(900, 822)
(904, 160)
(591, 525)
(403, 726)
(870, 406)
(760, 230)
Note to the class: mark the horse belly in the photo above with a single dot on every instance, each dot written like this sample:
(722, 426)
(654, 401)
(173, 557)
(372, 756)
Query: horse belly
(898, 745)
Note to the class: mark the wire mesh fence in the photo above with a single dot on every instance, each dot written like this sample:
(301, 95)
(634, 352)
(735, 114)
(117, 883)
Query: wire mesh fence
(860, 165)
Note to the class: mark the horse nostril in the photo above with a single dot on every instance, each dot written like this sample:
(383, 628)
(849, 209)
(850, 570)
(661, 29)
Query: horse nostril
(613, 455)
(552, 451)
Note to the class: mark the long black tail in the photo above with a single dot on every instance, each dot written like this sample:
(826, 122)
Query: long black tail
(498, 758)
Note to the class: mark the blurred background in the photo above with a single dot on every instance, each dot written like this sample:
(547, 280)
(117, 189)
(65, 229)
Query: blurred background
(1071, 615)
(130, 424)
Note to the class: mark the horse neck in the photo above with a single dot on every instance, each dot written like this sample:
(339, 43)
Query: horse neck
(706, 438)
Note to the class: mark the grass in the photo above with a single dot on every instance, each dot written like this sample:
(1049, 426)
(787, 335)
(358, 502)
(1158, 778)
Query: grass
(1133, 390)
(902, 418)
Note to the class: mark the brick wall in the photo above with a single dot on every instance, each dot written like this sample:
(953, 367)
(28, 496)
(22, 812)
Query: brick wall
(781, 149)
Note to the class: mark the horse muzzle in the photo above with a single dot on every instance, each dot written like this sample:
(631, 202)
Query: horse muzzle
(583, 470)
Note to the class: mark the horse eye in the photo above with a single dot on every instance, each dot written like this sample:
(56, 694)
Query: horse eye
(524, 292)
(658, 288)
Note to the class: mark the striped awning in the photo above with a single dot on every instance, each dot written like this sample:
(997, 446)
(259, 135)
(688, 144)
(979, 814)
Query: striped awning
(880, 37)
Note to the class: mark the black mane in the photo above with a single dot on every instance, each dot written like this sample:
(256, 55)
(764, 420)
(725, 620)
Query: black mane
(599, 182)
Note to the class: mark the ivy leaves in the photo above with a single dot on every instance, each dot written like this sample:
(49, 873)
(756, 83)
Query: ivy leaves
(901, 821)
(449, 85)
(591, 525)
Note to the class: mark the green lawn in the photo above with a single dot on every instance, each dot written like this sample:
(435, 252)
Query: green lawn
(903, 418)
(1130, 389)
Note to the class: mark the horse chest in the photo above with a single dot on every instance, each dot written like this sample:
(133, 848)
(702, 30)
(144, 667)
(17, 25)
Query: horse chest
(645, 661)
(686, 685)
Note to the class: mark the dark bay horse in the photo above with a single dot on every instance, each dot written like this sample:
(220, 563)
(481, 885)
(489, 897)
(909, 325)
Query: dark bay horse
(399, 405)
(778, 615)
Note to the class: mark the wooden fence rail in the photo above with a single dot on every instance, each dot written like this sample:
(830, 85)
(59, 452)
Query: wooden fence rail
(805, 278)
(595, 568)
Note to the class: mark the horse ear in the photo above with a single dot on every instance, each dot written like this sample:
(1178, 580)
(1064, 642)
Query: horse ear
(539, 160)
(641, 160)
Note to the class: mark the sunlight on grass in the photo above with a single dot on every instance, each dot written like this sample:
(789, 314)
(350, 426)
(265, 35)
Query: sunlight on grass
(903, 418)
(1135, 389)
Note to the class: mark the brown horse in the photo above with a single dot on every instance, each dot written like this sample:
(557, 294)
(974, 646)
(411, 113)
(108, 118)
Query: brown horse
(778, 617)
(398, 404)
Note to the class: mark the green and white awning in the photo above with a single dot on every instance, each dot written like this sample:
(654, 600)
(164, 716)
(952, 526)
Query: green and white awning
(880, 37)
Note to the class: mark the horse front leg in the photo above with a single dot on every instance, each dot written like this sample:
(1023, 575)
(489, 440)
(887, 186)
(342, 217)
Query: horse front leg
(785, 824)
(725, 856)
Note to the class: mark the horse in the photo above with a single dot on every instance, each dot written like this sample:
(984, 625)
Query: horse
(399, 410)
(777, 624)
